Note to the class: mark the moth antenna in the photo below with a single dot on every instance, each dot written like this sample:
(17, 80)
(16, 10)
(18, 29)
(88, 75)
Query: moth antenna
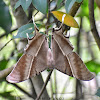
(61, 23)
(34, 24)
(63, 17)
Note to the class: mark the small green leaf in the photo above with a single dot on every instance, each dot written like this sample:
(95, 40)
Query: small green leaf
(3, 64)
(93, 66)
(98, 92)
(5, 17)
(41, 5)
(18, 3)
(24, 3)
(49, 41)
(69, 4)
(7, 95)
(79, 1)
(59, 3)
(28, 28)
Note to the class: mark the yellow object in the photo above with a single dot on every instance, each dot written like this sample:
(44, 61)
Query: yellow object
(68, 19)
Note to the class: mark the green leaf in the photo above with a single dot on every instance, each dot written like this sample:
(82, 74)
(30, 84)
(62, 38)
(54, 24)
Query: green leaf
(59, 3)
(41, 5)
(49, 41)
(18, 3)
(93, 66)
(98, 92)
(24, 3)
(5, 17)
(7, 95)
(84, 9)
(79, 1)
(28, 28)
(3, 64)
(69, 4)
(68, 19)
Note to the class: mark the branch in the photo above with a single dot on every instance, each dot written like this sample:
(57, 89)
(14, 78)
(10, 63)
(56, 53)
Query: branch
(5, 44)
(78, 37)
(44, 85)
(32, 88)
(92, 23)
(22, 90)
(5, 72)
(72, 12)
(78, 82)
(4, 34)
(74, 8)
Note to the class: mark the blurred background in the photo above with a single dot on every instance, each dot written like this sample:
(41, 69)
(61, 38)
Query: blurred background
(16, 13)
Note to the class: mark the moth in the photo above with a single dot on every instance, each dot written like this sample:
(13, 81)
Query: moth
(38, 56)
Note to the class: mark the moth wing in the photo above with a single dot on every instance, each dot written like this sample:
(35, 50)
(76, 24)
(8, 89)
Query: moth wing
(63, 42)
(60, 62)
(22, 70)
(40, 62)
(78, 68)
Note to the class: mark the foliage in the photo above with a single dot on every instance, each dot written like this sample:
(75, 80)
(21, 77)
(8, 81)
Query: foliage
(28, 28)
(69, 4)
(38, 4)
(45, 22)
(68, 20)
(5, 17)
(93, 66)
(98, 92)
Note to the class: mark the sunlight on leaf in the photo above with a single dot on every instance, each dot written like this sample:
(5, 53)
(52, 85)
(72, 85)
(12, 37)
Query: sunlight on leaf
(28, 28)
(68, 20)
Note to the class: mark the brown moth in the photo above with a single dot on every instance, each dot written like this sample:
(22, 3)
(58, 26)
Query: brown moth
(38, 57)
(69, 63)
(33, 61)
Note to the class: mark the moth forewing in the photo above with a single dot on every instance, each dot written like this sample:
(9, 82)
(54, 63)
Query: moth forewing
(62, 48)
(40, 62)
(64, 44)
(78, 68)
(60, 61)
(24, 66)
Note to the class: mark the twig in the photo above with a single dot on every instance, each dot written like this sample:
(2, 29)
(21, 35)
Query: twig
(78, 37)
(44, 85)
(92, 23)
(74, 8)
(5, 72)
(32, 88)
(22, 90)
(51, 87)
(5, 44)
(4, 34)
(89, 46)
(78, 82)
